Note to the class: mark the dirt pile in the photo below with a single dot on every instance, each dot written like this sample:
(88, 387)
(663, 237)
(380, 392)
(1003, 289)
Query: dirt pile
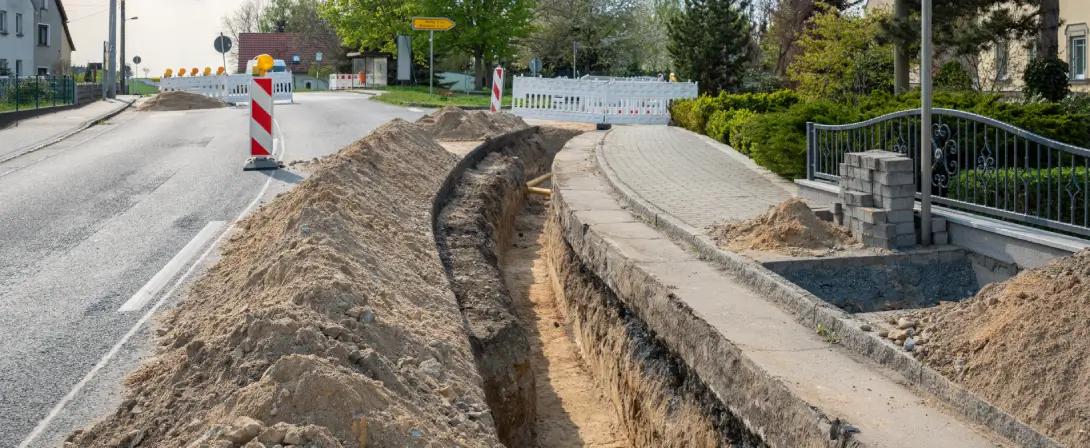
(1022, 346)
(454, 124)
(790, 228)
(179, 100)
(328, 322)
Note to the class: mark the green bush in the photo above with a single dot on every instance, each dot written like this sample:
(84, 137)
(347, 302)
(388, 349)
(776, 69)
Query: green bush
(1047, 77)
(734, 129)
(695, 114)
(979, 187)
(777, 140)
(953, 76)
(717, 125)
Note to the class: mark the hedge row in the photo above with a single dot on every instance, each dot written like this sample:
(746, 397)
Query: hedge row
(771, 127)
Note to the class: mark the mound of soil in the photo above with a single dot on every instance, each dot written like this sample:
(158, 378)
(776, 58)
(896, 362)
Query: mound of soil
(179, 100)
(328, 322)
(454, 124)
(790, 228)
(1022, 346)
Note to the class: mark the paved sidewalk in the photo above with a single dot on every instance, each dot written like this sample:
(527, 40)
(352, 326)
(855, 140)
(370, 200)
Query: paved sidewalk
(29, 135)
(688, 177)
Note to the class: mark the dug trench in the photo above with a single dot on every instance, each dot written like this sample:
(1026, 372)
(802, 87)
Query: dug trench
(563, 361)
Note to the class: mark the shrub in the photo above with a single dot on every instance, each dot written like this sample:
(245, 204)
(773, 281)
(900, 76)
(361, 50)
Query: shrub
(777, 140)
(717, 125)
(953, 76)
(979, 187)
(1047, 77)
(695, 114)
(734, 129)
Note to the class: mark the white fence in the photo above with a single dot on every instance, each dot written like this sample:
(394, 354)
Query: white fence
(342, 82)
(617, 102)
(229, 88)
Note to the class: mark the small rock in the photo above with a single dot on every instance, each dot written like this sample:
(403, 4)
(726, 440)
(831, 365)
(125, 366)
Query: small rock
(333, 331)
(910, 344)
(273, 435)
(416, 432)
(447, 391)
(136, 409)
(905, 323)
(193, 351)
(368, 316)
(161, 331)
(556, 325)
(432, 368)
(243, 430)
(897, 335)
(293, 437)
(865, 327)
(883, 333)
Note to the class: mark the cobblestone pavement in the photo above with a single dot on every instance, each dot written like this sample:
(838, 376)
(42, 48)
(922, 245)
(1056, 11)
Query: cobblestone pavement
(36, 131)
(688, 177)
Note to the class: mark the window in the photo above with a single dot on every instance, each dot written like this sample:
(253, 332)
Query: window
(1077, 54)
(43, 71)
(43, 35)
(3, 22)
(18, 24)
(18, 68)
(1002, 59)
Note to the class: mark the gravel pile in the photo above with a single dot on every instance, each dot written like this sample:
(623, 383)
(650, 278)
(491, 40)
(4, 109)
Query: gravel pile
(454, 124)
(179, 100)
(328, 322)
(790, 228)
(1022, 345)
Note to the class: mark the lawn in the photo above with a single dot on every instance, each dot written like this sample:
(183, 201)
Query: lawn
(403, 96)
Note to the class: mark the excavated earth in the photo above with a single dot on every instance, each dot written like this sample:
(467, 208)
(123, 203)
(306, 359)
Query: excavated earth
(179, 100)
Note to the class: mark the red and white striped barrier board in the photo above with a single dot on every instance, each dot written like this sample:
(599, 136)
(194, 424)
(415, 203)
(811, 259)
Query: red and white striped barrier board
(261, 123)
(497, 89)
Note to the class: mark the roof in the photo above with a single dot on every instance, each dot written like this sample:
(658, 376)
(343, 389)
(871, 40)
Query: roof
(280, 46)
(64, 23)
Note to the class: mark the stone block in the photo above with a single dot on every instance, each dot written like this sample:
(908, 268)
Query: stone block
(861, 173)
(900, 216)
(940, 238)
(857, 199)
(893, 179)
(887, 231)
(853, 159)
(895, 203)
(845, 171)
(938, 224)
(905, 241)
(859, 185)
(871, 215)
(896, 191)
(895, 165)
(881, 243)
(906, 228)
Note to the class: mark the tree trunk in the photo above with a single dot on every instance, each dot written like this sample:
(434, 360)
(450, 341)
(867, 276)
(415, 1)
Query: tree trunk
(1048, 44)
(478, 69)
(901, 57)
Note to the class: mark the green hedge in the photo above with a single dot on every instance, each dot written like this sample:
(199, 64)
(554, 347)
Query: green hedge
(978, 187)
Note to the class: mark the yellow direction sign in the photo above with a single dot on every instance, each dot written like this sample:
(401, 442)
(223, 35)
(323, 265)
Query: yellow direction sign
(432, 23)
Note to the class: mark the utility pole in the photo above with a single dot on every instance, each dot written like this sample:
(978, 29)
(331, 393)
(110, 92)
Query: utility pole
(124, 18)
(111, 74)
(925, 125)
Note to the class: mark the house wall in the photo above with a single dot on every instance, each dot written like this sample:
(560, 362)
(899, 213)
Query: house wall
(53, 55)
(12, 46)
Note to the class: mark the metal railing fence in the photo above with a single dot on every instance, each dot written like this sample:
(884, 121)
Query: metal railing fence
(33, 92)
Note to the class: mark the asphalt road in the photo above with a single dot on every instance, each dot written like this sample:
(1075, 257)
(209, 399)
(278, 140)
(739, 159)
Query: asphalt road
(101, 229)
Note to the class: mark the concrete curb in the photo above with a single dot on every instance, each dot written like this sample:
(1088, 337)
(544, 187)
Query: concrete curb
(811, 311)
(70, 132)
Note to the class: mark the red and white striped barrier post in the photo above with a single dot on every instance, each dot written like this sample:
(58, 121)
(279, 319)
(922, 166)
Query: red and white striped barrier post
(261, 123)
(497, 89)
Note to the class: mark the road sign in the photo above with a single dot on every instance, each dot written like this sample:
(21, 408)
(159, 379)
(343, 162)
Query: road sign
(318, 57)
(222, 44)
(535, 65)
(136, 59)
(432, 23)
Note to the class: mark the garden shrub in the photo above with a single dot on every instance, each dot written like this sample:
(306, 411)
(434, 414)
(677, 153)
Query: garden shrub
(717, 125)
(1048, 77)
(979, 187)
(777, 140)
(734, 129)
(952, 76)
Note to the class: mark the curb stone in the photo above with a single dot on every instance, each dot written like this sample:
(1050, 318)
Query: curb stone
(71, 132)
(809, 310)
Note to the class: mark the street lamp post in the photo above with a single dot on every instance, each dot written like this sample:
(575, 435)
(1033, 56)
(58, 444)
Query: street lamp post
(925, 125)
(111, 74)
(124, 78)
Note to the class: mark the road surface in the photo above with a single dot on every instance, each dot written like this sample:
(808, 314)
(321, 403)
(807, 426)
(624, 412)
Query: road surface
(107, 225)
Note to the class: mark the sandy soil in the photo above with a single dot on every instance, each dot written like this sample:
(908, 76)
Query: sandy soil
(451, 124)
(460, 149)
(178, 100)
(789, 228)
(1022, 346)
(572, 410)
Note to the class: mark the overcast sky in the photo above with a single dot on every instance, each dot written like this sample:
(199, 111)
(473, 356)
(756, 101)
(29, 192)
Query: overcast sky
(167, 33)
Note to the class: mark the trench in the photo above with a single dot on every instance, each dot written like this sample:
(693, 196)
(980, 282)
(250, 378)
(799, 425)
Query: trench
(563, 361)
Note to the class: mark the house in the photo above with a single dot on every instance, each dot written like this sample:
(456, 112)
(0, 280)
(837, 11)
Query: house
(53, 44)
(16, 44)
(1001, 69)
(298, 51)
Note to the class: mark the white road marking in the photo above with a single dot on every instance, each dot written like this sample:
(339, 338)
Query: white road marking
(53, 413)
(160, 279)
(413, 109)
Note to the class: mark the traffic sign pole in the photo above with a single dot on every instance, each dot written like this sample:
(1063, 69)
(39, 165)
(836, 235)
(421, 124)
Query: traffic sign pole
(431, 63)
(224, 54)
(431, 25)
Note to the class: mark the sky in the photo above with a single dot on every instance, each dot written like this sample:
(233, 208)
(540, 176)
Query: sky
(167, 33)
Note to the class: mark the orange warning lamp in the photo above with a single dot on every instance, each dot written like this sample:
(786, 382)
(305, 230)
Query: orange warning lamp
(195, 71)
(168, 73)
(208, 71)
(221, 71)
(181, 72)
(263, 65)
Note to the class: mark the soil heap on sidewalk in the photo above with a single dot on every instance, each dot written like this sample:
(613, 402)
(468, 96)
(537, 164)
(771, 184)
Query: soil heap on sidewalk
(790, 228)
(328, 322)
(1023, 345)
(454, 124)
(179, 100)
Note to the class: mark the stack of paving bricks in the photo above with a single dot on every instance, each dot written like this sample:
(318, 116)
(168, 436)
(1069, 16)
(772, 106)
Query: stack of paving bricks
(877, 195)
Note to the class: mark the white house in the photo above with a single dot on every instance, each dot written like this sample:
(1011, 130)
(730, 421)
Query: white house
(53, 44)
(17, 32)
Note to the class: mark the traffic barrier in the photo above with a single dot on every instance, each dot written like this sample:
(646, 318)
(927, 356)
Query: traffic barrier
(230, 88)
(261, 124)
(497, 90)
(611, 101)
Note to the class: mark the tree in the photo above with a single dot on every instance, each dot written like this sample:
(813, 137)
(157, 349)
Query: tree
(486, 29)
(708, 40)
(1047, 76)
(786, 21)
(147, 72)
(373, 24)
(840, 55)
(247, 18)
(1048, 45)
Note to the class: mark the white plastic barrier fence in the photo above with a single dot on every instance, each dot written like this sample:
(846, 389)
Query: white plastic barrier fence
(229, 88)
(343, 82)
(590, 101)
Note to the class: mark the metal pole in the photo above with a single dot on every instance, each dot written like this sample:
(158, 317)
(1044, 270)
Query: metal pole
(431, 63)
(111, 75)
(105, 55)
(574, 46)
(124, 76)
(925, 126)
(224, 55)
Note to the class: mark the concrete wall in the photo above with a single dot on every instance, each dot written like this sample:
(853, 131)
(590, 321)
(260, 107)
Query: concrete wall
(12, 46)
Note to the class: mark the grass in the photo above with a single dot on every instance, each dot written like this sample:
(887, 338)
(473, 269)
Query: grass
(139, 88)
(9, 106)
(402, 96)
